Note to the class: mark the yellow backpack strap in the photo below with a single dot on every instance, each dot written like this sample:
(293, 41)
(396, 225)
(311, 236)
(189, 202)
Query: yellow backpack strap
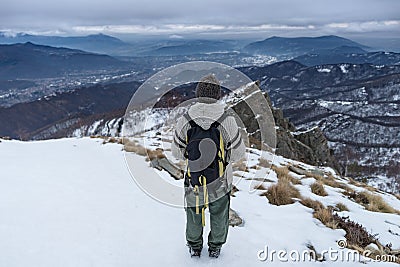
(203, 217)
(221, 163)
(196, 193)
(221, 151)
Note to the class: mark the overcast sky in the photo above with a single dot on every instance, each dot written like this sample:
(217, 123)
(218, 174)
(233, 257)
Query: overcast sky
(177, 18)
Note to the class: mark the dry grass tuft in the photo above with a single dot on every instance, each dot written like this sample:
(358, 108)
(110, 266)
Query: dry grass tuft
(344, 186)
(264, 163)
(313, 204)
(316, 176)
(371, 202)
(362, 184)
(377, 204)
(294, 180)
(318, 189)
(341, 207)
(283, 174)
(108, 139)
(331, 181)
(135, 147)
(155, 154)
(281, 193)
(325, 215)
(398, 196)
(353, 182)
(132, 146)
(240, 165)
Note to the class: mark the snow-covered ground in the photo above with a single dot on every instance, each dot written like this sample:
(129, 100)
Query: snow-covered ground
(72, 202)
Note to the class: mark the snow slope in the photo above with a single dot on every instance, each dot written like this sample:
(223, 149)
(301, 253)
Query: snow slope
(72, 202)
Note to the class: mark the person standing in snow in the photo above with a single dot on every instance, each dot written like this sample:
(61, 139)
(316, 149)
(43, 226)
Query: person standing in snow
(208, 138)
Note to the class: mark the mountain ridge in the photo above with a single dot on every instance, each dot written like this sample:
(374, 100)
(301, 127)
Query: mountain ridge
(96, 43)
(296, 46)
(29, 60)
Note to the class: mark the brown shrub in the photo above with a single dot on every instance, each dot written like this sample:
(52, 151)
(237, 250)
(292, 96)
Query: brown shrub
(281, 193)
(358, 238)
(356, 234)
(314, 204)
(318, 189)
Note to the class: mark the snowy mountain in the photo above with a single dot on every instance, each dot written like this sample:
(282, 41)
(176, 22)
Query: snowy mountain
(355, 105)
(54, 116)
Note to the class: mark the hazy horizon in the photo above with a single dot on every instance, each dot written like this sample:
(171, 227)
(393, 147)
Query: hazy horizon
(369, 22)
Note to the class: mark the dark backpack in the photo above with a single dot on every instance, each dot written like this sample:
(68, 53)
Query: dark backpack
(205, 153)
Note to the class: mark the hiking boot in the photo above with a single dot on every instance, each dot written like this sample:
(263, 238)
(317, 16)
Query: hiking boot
(214, 253)
(195, 252)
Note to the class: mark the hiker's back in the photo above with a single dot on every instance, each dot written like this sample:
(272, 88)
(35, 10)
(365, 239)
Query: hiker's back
(205, 152)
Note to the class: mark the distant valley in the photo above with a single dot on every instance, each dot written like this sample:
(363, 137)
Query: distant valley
(52, 87)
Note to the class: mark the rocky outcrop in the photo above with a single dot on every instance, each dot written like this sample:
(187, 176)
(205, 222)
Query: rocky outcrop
(309, 146)
(165, 164)
(234, 219)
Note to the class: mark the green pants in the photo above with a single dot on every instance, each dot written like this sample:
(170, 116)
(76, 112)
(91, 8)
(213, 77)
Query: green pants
(219, 218)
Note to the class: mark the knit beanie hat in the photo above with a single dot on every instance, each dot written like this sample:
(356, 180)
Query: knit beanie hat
(209, 87)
